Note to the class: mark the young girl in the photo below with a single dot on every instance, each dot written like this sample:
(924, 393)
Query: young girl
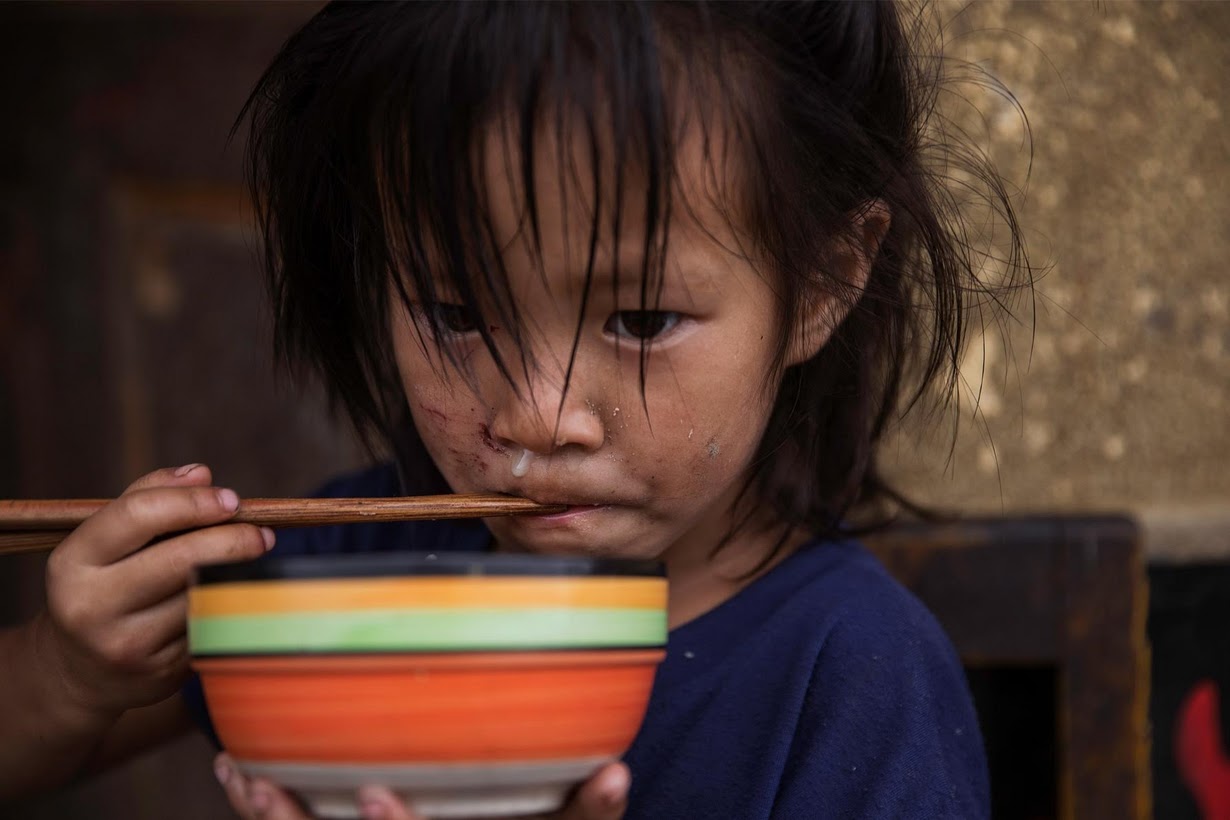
(673, 266)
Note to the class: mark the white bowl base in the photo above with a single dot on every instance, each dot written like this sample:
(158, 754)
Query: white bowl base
(435, 791)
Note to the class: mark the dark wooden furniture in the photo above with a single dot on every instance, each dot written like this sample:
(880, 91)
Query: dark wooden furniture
(1066, 592)
(132, 327)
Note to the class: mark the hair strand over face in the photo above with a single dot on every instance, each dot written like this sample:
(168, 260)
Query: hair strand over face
(366, 162)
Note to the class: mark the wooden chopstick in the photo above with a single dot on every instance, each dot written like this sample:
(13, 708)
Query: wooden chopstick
(34, 525)
(15, 541)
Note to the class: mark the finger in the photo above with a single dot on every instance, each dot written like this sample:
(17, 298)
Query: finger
(235, 785)
(189, 475)
(603, 797)
(133, 520)
(145, 640)
(165, 569)
(157, 625)
(379, 803)
(166, 623)
(173, 657)
(271, 803)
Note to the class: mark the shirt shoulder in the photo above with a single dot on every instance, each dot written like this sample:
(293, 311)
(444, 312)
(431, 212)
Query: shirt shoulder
(822, 689)
(870, 615)
(829, 599)
(888, 710)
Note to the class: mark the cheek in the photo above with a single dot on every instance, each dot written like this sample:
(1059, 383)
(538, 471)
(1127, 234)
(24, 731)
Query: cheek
(714, 422)
(446, 415)
(711, 436)
(450, 425)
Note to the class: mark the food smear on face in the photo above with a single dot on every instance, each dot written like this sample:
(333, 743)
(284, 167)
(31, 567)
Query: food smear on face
(522, 465)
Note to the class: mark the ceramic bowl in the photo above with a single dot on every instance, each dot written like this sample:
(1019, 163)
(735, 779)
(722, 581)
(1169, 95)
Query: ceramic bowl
(472, 684)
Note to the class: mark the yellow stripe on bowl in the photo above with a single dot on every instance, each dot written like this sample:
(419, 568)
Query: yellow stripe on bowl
(308, 595)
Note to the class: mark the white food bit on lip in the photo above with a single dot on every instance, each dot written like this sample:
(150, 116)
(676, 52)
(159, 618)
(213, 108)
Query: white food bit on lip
(522, 464)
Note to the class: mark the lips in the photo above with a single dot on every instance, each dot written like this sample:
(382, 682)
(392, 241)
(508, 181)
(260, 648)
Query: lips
(577, 508)
(573, 511)
(570, 503)
(582, 528)
(570, 498)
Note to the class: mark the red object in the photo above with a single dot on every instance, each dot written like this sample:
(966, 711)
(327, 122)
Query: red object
(1200, 752)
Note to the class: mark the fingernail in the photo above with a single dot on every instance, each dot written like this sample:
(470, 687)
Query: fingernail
(223, 773)
(371, 803)
(615, 789)
(180, 472)
(260, 798)
(267, 534)
(228, 499)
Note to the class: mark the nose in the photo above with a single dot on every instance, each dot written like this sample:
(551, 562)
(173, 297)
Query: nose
(538, 414)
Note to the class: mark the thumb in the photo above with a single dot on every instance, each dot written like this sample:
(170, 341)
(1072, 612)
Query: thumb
(603, 797)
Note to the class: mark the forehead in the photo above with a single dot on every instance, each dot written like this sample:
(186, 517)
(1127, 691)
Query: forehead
(578, 190)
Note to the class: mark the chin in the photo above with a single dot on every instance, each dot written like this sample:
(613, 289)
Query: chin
(553, 544)
(558, 548)
(602, 533)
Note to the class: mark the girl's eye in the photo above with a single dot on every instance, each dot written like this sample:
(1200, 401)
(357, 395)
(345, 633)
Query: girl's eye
(641, 324)
(453, 318)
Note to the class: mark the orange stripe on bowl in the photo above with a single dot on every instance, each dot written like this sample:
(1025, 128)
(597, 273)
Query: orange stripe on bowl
(431, 708)
(266, 597)
(360, 664)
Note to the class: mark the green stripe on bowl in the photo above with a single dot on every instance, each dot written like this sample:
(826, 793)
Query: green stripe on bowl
(427, 630)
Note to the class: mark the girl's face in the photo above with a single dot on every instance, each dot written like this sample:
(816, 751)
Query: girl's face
(644, 476)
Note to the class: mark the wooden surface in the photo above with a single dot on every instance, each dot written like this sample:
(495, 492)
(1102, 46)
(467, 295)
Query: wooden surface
(1063, 591)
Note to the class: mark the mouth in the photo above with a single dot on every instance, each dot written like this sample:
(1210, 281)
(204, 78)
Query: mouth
(586, 526)
(575, 507)
(561, 497)
(570, 511)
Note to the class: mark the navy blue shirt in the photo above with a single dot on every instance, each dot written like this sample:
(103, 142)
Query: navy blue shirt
(822, 690)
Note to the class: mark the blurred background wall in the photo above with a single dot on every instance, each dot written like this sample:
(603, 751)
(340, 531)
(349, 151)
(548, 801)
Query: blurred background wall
(1112, 389)
(132, 333)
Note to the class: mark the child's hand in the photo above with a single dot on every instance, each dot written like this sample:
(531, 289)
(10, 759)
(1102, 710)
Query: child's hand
(603, 797)
(113, 632)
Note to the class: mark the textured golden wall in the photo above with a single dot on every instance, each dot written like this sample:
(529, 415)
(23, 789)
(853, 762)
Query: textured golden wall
(1118, 396)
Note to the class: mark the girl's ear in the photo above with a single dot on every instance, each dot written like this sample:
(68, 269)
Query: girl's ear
(824, 307)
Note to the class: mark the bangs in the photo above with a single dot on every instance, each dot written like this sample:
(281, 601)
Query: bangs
(587, 122)
(569, 96)
(376, 151)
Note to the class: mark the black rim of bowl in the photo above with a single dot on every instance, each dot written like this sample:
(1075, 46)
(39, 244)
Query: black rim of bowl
(422, 563)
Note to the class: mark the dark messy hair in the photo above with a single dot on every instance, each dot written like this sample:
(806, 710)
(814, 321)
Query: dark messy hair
(364, 162)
